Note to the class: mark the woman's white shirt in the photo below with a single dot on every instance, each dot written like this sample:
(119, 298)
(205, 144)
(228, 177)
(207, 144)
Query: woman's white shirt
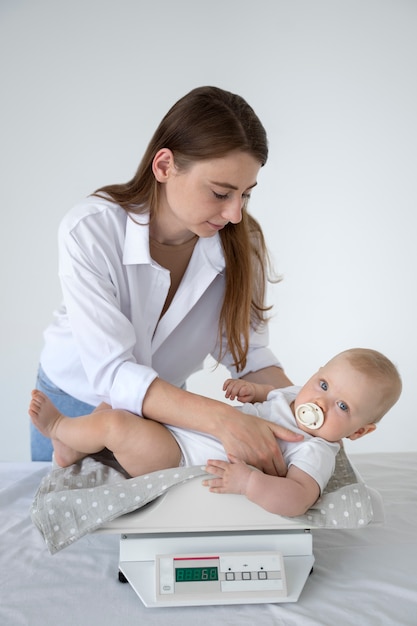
(107, 341)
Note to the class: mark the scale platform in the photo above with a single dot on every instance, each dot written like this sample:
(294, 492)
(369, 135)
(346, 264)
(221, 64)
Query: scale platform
(190, 547)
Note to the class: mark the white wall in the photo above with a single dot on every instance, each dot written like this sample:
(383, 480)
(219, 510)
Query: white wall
(83, 85)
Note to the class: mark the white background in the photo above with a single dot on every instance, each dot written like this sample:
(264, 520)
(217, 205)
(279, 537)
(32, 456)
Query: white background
(83, 86)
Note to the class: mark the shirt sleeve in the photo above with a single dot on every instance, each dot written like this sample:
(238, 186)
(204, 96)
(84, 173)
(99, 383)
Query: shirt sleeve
(259, 354)
(91, 274)
(316, 458)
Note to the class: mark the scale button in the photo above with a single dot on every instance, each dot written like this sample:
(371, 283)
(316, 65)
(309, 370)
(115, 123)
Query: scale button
(262, 575)
(246, 576)
(230, 575)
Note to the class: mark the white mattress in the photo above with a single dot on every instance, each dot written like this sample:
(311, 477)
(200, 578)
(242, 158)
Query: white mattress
(366, 576)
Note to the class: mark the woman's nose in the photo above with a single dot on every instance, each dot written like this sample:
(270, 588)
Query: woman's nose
(233, 211)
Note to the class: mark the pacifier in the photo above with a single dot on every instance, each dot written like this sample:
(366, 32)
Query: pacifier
(310, 415)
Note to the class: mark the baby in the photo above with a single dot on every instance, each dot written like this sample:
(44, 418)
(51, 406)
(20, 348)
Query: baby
(344, 398)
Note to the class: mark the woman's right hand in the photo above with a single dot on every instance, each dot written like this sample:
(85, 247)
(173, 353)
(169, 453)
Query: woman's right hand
(246, 437)
(253, 440)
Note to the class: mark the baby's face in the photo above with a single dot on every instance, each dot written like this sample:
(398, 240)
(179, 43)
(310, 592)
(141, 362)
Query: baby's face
(346, 396)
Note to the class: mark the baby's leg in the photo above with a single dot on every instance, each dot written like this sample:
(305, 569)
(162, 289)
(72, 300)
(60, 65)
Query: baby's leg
(138, 444)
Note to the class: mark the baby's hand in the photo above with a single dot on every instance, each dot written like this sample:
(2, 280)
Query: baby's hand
(229, 477)
(238, 389)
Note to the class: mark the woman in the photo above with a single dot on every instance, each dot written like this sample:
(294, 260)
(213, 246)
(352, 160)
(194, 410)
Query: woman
(163, 270)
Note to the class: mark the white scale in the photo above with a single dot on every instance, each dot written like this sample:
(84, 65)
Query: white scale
(191, 547)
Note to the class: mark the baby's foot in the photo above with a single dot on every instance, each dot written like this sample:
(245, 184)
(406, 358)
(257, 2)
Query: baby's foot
(46, 417)
(44, 414)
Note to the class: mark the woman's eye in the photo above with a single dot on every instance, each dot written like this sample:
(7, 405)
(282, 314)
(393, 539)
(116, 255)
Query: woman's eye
(323, 385)
(225, 196)
(245, 200)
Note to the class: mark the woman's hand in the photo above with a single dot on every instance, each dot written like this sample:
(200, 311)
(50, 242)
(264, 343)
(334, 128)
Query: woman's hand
(253, 440)
(250, 439)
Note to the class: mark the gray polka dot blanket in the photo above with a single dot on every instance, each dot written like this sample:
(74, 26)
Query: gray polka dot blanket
(76, 500)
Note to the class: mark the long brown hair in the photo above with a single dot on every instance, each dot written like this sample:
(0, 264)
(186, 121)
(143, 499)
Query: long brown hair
(209, 123)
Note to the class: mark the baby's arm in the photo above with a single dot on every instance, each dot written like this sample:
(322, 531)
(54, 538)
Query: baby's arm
(289, 496)
(245, 391)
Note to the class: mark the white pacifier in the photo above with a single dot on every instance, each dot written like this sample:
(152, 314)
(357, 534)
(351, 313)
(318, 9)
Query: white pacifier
(310, 415)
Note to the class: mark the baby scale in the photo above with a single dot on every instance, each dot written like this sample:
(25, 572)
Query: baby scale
(190, 547)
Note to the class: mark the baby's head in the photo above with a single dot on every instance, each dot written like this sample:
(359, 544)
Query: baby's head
(353, 391)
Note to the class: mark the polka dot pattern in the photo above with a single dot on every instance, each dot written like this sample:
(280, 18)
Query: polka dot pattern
(66, 507)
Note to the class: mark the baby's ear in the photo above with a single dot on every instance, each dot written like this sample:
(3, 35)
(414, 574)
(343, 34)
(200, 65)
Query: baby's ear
(369, 428)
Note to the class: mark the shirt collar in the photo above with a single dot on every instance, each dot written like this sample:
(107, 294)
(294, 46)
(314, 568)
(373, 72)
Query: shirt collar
(136, 245)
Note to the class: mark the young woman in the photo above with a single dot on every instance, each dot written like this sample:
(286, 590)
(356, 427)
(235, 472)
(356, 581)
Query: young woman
(163, 270)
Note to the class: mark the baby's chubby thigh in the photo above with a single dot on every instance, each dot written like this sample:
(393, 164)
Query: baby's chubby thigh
(138, 444)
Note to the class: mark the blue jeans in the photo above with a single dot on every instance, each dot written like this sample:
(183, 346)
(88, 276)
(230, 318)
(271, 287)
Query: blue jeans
(41, 447)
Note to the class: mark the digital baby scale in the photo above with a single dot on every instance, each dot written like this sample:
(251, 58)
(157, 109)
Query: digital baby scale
(192, 547)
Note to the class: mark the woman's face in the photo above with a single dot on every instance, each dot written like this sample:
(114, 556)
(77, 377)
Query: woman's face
(202, 199)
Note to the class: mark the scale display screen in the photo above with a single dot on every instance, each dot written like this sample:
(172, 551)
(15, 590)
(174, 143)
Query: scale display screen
(225, 576)
(188, 574)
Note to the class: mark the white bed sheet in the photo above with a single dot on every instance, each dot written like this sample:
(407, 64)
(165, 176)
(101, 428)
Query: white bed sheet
(366, 576)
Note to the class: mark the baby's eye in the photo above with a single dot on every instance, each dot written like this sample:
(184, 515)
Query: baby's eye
(323, 385)
(343, 406)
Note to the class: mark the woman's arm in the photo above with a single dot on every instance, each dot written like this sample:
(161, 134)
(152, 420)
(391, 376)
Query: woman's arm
(272, 375)
(289, 496)
(246, 437)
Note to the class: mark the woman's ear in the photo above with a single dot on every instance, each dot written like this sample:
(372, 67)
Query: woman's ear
(163, 164)
(369, 428)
